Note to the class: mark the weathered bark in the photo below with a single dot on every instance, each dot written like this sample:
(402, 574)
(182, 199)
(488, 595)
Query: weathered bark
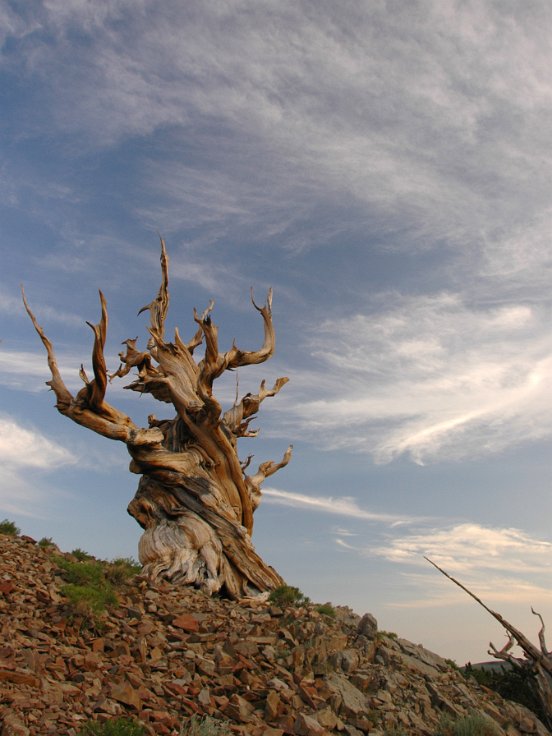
(194, 501)
(537, 661)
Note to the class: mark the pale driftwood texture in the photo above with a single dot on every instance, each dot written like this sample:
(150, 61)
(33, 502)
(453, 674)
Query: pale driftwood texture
(194, 501)
(538, 661)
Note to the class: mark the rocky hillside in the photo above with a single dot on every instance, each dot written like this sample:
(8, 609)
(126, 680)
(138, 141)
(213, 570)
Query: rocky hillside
(161, 654)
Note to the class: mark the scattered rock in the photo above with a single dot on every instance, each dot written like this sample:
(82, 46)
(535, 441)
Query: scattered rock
(166, 653)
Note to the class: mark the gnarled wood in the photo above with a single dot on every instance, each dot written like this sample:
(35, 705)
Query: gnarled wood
(538, 661)
(194, 500)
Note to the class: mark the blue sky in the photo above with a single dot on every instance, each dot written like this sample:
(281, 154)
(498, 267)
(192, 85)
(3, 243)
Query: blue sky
(386, 168)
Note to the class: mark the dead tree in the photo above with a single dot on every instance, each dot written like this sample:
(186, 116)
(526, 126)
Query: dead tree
(195, 500)
(537, 661)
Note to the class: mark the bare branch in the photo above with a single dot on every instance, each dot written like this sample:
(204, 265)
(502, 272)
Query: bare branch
(542, 640)
(98, 386)
(97, 416)
(264, 471)
(238, 417)
(63, 396)
(131, 359)
(196, 340)
(210, 366)
(528, 647)
(235, 357)
(246, 463)
(159, 307)
(504, 653)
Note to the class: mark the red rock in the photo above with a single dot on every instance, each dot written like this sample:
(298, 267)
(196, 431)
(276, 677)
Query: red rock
(308, 726)
(187, 622)
(13, 726)
(123, 691)
(98, 645)
(273, 705)
(239, 709)
(20, 678)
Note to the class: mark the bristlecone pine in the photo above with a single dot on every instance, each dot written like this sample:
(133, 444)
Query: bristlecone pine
(195, 500)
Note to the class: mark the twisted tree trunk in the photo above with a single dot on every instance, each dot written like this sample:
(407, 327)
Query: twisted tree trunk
(195, 500)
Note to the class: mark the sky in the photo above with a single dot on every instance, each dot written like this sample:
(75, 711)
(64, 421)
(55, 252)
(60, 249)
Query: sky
(386, 168)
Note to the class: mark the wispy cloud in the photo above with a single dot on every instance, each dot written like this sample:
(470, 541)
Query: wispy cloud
(408, 112)
(25, 447)
(25, 451)
(29, 370)
(465, 548)
(13, 305)
(340, 506)
(428, 130)
(431, 591)
(498, 564)
(431, 377)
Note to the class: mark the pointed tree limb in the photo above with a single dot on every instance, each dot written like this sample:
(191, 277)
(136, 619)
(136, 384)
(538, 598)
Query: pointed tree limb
(215, 363)
(505, 653)
(131, 359)
(238, 417)
(542, 640)
(528, 647)
(264, 471)
(63, 395)
(109, 422)
(99, 384)
(159, 307)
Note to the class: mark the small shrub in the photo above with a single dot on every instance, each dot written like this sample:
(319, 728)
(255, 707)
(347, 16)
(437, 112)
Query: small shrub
(45, 542)
(516, 684)
(81, 573)
(88, 590)
(326, 609)
(81, 555)
(472, 725)
(121, 569)
(113, 727)
(287, 595)
(87, 600)
(205, 726)
(388, 634)
(8, 527)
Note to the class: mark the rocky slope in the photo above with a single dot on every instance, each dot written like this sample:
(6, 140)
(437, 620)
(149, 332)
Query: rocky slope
(164, 653)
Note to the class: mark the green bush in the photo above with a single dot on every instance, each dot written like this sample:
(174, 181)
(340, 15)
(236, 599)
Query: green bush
(81, 573)
(45, 542)
(326, 609)
(475, 724)
(113, 727)
(87, 600)
(287, 595)
(513, 684)
(388, 634)
(87, 588)
(8, 527)
(205, 726)
(81, 555)
(121, 569)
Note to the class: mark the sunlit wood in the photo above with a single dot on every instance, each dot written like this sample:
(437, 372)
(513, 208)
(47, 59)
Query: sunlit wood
(194, 501)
